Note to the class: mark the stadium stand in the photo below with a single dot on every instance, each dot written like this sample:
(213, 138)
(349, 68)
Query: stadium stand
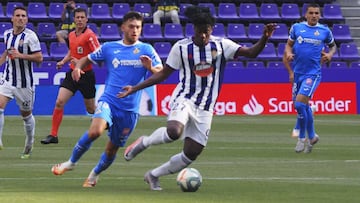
(241, 21)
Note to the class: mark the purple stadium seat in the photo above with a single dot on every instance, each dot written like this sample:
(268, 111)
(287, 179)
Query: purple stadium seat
(173, 31)
(152, 32)
(182, 9)
(2, 47)
(3, 17)
(236, 31)
(355, 64)
(234, 64)
(338, 64)
(349, 51)
(100, 12)
(119, 10)
(58, 50)
(227, 12)
(276, 65)
(94, 28)
(341, 33)
(290, 11)
(281, 49)
(46, 31)
(269, 12)
(109, 31)
(37, 11)
(255, 64)
(332, 12)
(10, 8)
(189, 30)
(281, 33)
(248, 12)
(45, 52)
(145, 9)
(163, 49)
(268, 53)
(55, 10)
(48, 64)
(219, 30)
(4, 26)
(255, 31)
(211, 6)
(82, 5)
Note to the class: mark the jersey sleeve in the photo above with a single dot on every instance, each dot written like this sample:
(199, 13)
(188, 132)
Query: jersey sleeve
(230, 48)
(93, 41)
(97, 55)
(156, 61)
(173, 59)
(330, 38)
(34, 43)
(292, 36)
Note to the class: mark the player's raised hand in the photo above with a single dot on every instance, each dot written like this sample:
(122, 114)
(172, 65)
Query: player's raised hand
(269, 29)
(146, 61)
(126, 91)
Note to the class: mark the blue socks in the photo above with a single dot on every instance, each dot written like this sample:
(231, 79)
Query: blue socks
(301, 109)
(104, 163)
(81, 147)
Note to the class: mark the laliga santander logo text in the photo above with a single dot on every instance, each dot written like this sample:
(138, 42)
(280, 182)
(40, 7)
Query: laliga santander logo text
(221, 108)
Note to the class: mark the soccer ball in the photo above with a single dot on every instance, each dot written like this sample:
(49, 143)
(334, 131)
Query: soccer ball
(189, 180)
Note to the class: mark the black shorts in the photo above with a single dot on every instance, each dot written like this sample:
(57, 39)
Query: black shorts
(86, 84)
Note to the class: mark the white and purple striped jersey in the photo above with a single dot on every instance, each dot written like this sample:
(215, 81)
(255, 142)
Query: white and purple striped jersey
(19, 72)
(201, 69)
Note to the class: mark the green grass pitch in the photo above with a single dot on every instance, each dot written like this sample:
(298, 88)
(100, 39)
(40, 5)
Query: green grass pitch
(247, 159)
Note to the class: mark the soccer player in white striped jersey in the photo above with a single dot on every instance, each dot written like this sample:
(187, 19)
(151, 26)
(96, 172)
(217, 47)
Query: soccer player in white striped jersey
(201, 61)
(17, 81)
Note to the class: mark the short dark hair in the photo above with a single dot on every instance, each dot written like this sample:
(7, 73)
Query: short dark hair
(19, 8)
(200, 15)
(313, 5)
(79, 10)
(133, 15)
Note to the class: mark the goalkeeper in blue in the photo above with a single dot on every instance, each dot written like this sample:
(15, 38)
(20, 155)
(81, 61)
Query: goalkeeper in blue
(304, 48)
(127, 62)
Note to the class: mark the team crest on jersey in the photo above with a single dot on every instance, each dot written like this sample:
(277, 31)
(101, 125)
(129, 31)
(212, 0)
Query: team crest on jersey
(317, 33)
(80, 50)
(136, 50)
(21, 42)
(203, 69)
(309, 81)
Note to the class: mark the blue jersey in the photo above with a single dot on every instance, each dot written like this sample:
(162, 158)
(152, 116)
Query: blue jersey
(123, 68)
(309, 41)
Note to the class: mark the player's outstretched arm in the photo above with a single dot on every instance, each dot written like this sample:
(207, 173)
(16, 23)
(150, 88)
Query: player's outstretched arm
(153, 79)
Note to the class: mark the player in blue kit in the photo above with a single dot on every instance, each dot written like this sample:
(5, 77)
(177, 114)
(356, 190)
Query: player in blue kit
(304, 48)
(127, 62)
(201, 61)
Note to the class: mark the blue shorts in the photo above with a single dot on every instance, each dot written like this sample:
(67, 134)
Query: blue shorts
(305, 85)
(121, 123)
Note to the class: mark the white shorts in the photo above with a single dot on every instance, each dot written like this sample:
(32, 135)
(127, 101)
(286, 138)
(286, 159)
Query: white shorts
(24, 96)
(197, 122)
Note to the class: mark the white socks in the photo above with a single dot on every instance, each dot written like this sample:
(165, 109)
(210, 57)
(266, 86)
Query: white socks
(159, 136)
(29, 126)
(175, 164)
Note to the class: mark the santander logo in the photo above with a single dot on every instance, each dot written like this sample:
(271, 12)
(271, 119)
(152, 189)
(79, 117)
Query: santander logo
(253, 107)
